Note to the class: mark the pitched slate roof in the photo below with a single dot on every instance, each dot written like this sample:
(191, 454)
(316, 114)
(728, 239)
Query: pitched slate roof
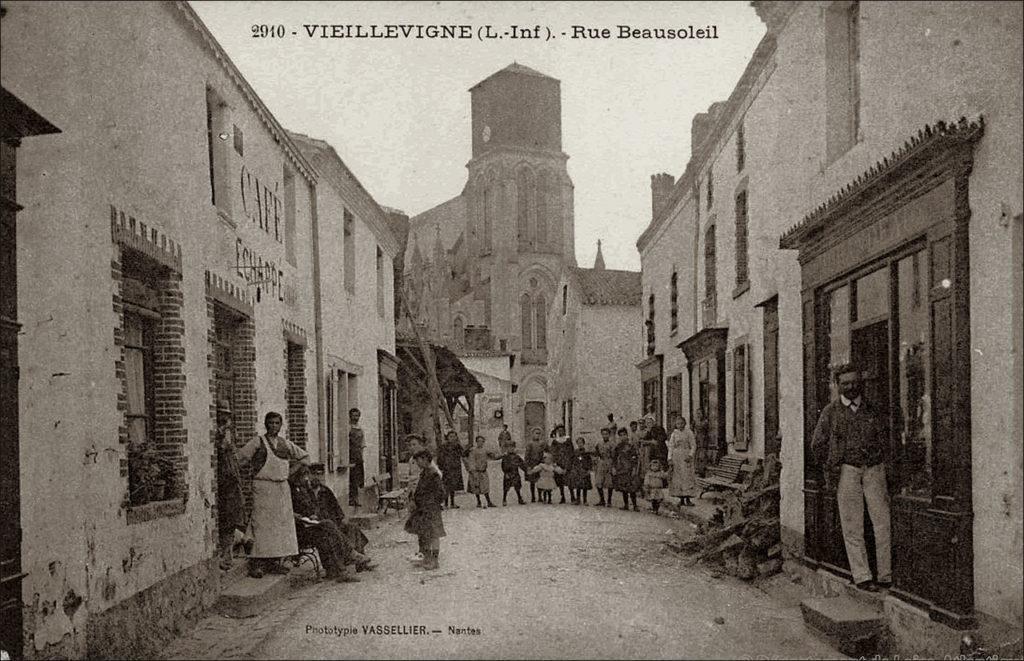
(515, 68)
(608, 287)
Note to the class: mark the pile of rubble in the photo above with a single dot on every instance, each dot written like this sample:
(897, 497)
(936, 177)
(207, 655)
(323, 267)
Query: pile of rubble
(743, 536)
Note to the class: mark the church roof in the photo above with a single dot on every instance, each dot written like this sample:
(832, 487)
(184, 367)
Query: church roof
(608, 287)
(515, 68)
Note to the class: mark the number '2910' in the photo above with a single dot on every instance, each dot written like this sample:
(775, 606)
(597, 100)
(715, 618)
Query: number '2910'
(264, 31)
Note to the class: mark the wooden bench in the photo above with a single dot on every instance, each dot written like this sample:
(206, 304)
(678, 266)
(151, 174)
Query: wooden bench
(723, 476)
(395, 499)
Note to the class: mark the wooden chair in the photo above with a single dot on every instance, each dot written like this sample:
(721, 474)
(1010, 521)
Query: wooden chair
(723, 476)
(395, 499)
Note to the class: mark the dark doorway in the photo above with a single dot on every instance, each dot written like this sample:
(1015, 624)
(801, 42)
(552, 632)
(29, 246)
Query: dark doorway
(224, 355)
(535, 417)
(772, 442)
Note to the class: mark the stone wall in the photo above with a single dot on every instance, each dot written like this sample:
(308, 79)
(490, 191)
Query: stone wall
(139, 627)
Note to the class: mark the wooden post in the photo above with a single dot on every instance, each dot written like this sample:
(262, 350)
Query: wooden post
(428, 358)
(469, 398)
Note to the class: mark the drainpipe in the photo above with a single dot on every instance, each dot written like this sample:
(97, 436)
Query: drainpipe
(318, 334)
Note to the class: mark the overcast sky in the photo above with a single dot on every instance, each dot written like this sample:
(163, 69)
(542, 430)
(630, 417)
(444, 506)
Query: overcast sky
(397, 111)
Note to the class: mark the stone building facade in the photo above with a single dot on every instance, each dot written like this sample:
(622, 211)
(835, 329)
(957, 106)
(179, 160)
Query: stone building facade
(594, 324)
(167, 262)
(356, 293)
(858, 197)
(487, 263)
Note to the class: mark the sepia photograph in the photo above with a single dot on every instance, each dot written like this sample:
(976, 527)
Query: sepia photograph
(511, 330)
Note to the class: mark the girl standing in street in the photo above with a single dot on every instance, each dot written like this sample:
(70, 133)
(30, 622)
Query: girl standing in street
(626, 469)
(425, 510)
(535, 449)
(547, 470)
(579, 472)
(476, 464)
(682, 446)
(603, 466)
(654, 484)
(562, 453)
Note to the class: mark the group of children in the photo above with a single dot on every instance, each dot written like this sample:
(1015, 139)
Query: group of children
(616, 464)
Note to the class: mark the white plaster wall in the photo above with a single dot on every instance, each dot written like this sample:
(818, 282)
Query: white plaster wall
(607, 377)
(920, 63)
(126, 85)
(353, 329)
(671, 247)
(954, 59)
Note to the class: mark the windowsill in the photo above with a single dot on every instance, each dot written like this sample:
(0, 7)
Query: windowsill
(741, 289)
(158, 509)
(225, 218)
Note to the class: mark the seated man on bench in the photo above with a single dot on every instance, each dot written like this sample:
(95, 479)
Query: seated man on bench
(329, 508)
(318, 531)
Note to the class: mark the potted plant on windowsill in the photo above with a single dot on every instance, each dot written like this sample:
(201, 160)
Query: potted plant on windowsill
(151, 476)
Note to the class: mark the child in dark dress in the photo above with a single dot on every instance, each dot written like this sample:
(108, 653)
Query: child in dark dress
(511, 464)
(579, 472)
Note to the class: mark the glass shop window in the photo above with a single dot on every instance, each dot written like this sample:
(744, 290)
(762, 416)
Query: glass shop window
(914, 412)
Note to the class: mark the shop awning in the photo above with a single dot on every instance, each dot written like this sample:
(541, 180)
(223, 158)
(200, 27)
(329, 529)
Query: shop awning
(453, 377)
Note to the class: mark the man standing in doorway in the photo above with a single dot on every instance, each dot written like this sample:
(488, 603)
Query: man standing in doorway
(850, 441)
(356, 442)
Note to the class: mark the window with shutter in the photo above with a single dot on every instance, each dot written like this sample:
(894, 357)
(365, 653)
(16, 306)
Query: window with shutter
(742, 271)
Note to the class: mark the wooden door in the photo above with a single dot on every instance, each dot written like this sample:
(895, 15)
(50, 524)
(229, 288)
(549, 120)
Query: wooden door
(772, 444)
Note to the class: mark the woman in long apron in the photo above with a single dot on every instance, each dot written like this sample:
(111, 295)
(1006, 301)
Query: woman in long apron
(272, 525)
(682, 446)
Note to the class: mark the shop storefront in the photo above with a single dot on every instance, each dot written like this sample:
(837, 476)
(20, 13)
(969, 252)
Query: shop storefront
(885, 286)
(705, 355)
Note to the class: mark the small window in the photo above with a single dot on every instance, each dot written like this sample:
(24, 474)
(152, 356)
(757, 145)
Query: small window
(842, 78)
(674, 302)
(741, 148)
(380, 282)
(741, 395)
(217, 150)
(239, 141)
(289, 216)
(742, 256)
(565, 297)
(350, 251)
(710, 195)
(710, 276)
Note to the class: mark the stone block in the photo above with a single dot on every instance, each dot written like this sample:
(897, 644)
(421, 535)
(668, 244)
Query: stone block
(851, 626)
(247, 597)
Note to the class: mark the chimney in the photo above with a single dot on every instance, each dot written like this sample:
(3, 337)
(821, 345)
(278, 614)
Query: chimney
(661, 192)
(702, 125)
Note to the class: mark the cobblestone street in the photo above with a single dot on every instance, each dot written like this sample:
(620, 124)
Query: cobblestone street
(533, 581)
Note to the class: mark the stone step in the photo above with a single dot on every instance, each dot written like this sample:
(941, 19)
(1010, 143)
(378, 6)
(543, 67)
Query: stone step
(851, 625)
(243, 596)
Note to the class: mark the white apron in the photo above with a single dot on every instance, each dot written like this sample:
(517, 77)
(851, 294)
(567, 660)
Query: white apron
(272, 525)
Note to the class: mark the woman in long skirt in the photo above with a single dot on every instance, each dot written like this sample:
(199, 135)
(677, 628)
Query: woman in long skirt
(682, 446)
(449, 460)
(476, 464)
